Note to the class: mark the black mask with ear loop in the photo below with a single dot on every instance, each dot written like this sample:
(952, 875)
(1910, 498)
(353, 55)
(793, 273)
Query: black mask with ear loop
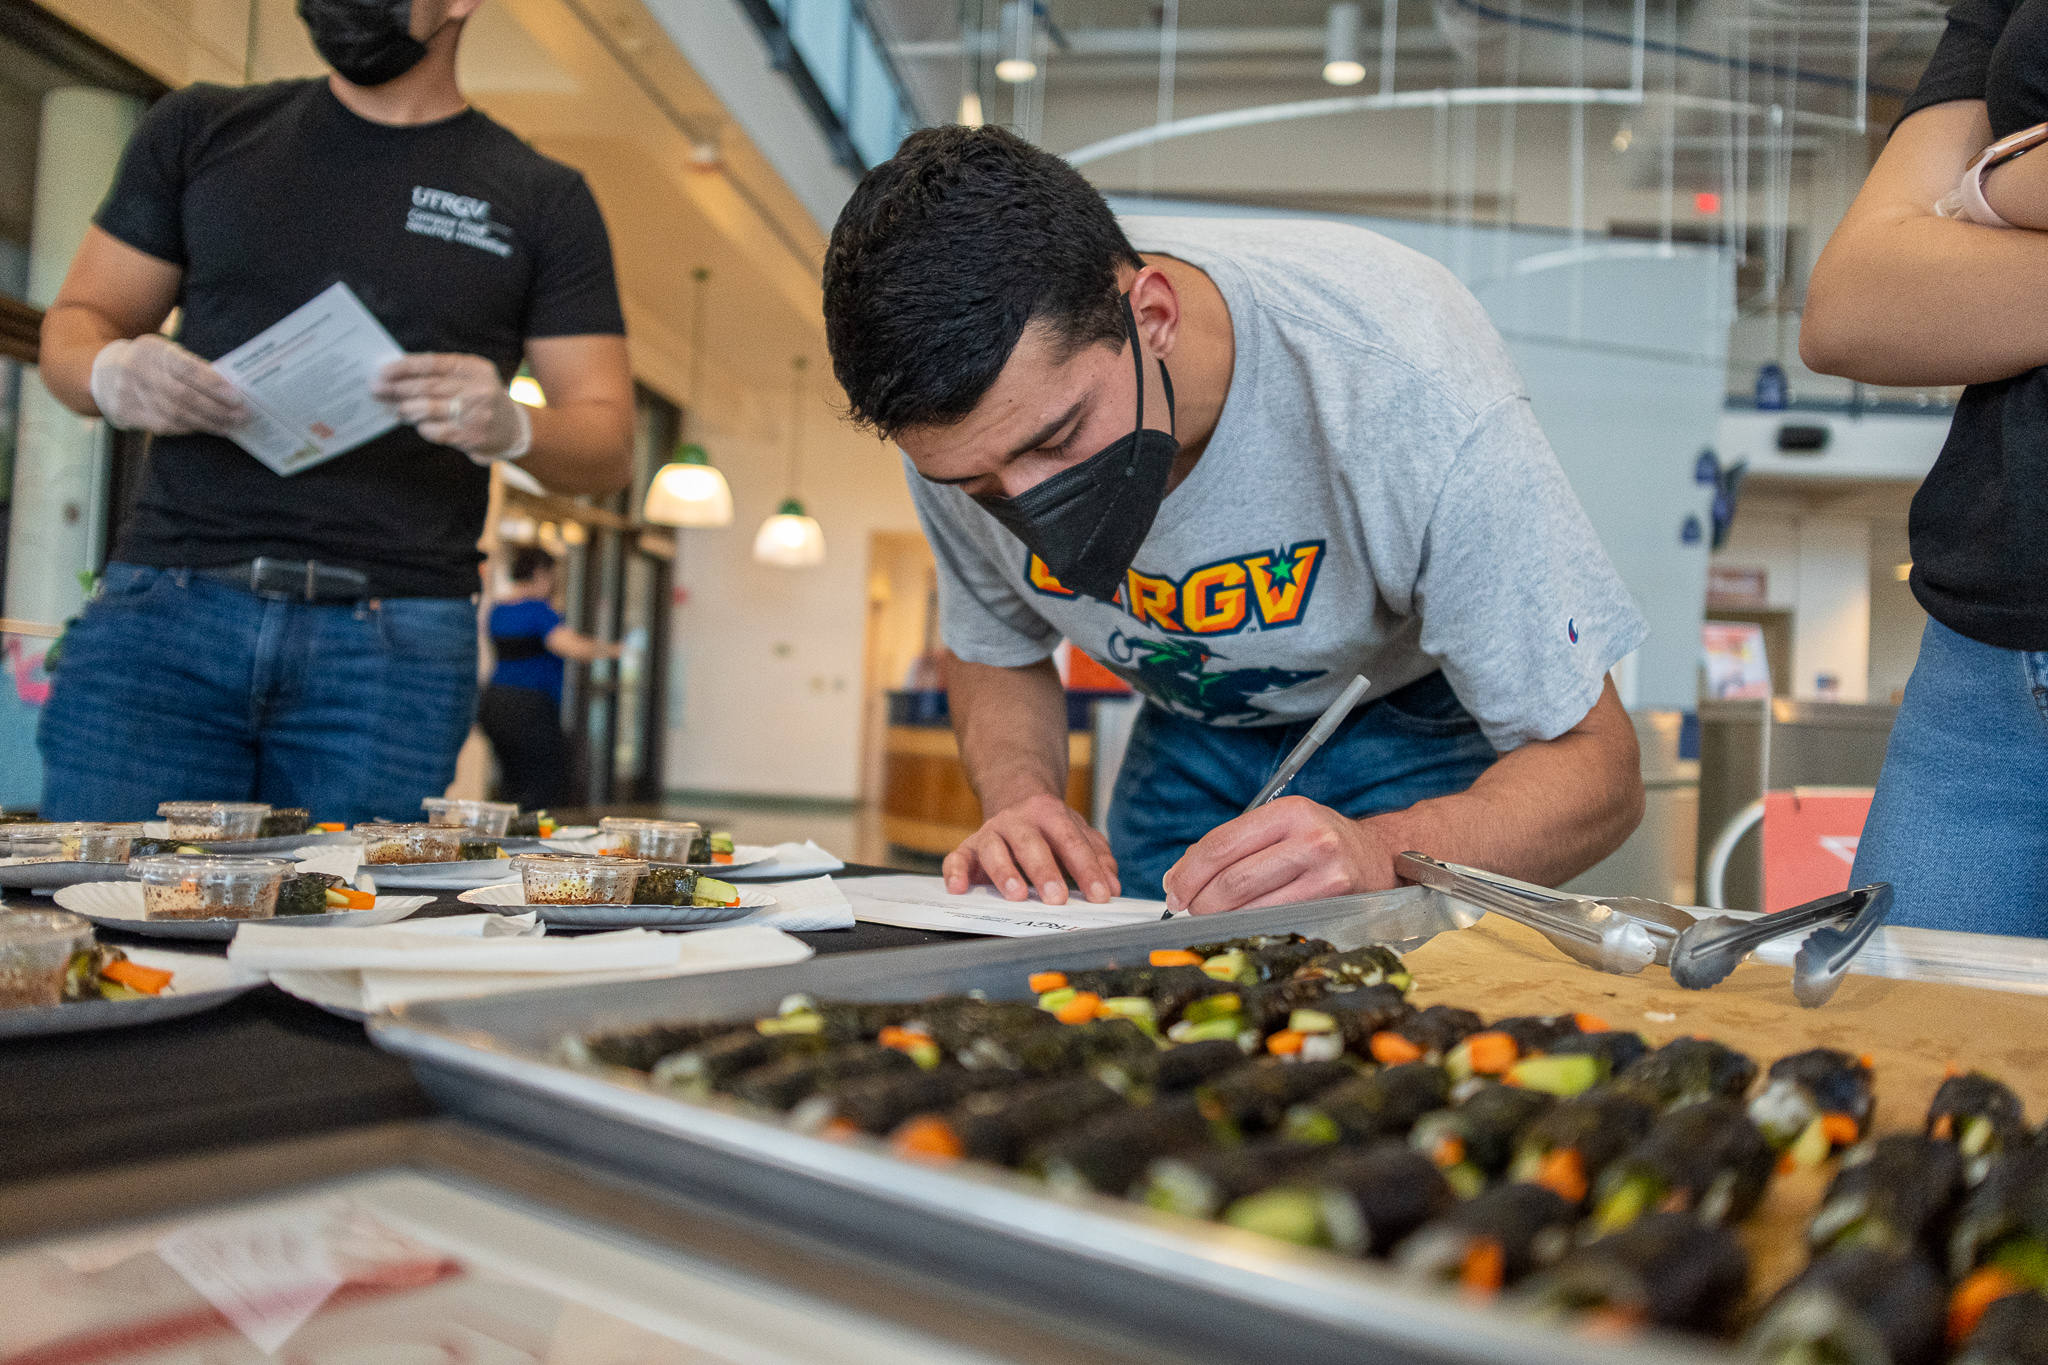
(1087, 522)
(367, 42)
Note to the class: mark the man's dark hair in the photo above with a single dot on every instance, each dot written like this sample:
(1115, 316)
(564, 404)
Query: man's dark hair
(529, 560)
(942, 257)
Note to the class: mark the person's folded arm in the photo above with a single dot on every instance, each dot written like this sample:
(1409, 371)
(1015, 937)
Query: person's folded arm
(1544, 812)
(1904, 297)
(583, 438)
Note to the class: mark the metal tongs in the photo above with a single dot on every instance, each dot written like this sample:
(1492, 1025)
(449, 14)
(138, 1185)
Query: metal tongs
(1611, 932)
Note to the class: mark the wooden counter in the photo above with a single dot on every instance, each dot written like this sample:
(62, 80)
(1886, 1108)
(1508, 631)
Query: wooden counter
(927, 804)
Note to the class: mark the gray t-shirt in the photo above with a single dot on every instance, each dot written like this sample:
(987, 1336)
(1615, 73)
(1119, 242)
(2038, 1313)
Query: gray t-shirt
(1377, 498)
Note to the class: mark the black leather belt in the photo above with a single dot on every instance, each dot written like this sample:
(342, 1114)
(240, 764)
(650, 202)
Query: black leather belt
(291, 580)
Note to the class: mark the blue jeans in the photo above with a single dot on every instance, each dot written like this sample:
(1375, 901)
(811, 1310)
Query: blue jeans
(1182, 778)
(1960, 823)
(175, 687)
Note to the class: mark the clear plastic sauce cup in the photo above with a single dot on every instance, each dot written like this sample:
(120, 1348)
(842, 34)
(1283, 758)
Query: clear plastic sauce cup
(76, 842)
(213, 819)
(485, 817)
(659, 841)
(208, 886)
(36, 948)
(384, 843)
(551, 880)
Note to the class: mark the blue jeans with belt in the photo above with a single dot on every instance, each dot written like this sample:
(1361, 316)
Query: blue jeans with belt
(1182, 778)
(172, 686)
(1960, 823)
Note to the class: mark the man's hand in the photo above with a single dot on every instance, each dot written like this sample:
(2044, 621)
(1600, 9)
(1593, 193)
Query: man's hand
(459, 401)
(1024, 846)
(1288, 850)
(153, 384)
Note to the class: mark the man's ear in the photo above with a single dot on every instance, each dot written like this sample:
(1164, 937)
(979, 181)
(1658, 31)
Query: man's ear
(1156, 305)
(458, 10)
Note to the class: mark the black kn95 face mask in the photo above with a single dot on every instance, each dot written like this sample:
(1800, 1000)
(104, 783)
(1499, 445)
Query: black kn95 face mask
(1087, 521)
(367, 42)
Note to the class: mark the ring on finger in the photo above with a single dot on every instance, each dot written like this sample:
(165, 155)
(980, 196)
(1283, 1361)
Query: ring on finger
(455, 410)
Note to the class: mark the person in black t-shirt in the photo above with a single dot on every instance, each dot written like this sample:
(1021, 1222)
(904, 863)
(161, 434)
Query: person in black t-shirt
(1911, 296)
(311, 640)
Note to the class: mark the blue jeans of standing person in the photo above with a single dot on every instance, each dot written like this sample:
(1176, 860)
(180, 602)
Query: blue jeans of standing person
(175, 687)
(1182, 778)
(1960, 823)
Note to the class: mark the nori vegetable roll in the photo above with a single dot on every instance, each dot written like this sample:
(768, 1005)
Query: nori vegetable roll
(1111, 1151)
(665, 884)
(640, 1048)
(1707, 1159)
(1438, 1029)
(1279, 961)
(958, 1022)
(1361, 1013)
(1056, 1049)
(1568, 1148)
(1802, 1089)
(1866, 1306)
(1384, 1104)
(709, 1065)
(2005, 1218)
(1536, 1032)
(999, 1125)
(857, 1020)
(305, 893)
(525, 825)
(2013, 1331)
(1687, 1071)
(1169, 1070)
(781, 1084)
(283, 821)
(1898, 1192)
(877, 1104)
(480, 850)
(1268, 1007)
(1616, 1050)
(1492, 1241)
(1369, 966)
(1666, 1270)
(1361, 1203)
(1201, 1183)
(1479, 1135)
(1983, 1117)
(1256, 1097)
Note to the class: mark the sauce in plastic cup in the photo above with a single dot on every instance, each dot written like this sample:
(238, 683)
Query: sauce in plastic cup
(213, 819)
(36, 948)
(485, 817)
(551, 880)
(208, 886)
(385, 843)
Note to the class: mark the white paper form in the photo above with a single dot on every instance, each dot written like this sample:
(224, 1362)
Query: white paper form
(306, 381)
(914, 902)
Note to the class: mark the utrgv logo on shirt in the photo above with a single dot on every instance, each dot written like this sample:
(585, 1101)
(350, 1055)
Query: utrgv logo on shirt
(456, 218)
(1266, 590)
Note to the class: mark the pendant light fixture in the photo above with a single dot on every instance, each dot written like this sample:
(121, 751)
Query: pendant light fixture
(1020, 27)
(689, 490)
(790, 538)
(1340, 46)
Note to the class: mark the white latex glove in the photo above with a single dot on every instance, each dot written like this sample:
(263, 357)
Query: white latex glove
(153, 384)
(459, 401)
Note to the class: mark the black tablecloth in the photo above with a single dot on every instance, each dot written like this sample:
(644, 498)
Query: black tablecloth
(262, 1067)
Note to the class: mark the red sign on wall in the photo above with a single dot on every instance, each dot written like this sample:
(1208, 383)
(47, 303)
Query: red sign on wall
(1810, 837)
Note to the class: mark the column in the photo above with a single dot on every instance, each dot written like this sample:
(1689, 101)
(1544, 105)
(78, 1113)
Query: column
(60, 470)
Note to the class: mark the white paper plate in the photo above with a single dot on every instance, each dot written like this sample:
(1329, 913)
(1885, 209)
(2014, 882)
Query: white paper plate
(30, 876)
(441, 876)
(513, 897)
(118, 905)
(743, 855)
(200, 982)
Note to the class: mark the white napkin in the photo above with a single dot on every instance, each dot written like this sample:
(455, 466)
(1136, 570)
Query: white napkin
(790, 860)
(273, 947)
(924, 903)
(803, 906)
(336, 860)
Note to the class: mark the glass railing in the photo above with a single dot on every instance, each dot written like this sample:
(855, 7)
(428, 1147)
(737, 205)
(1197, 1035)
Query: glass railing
(832, 55)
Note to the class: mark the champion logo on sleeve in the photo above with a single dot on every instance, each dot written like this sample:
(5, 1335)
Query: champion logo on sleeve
(1571, 629)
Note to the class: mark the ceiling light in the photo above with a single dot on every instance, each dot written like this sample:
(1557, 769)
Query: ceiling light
(790, 539)
(525, 389)
(970, 110)
(1020, 20)
(689, 491)
(1623, 136)
(1016, 70)
(1340, 46)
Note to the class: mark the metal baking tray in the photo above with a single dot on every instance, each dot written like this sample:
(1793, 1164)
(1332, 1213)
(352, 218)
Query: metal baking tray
(1205, 1291)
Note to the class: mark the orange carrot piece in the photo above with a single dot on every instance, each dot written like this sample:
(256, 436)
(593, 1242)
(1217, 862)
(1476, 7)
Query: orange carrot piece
(1983, 1287)
(928, 1136)
(1391, 1049)
(354, 899)
(1175, 957)
(721, 857)
(1839, 1129)
(1590, 1023)
(1563, 1173)
(1485, 1268)
(902, 1039)
(1041, 982)
(136, 977)
(1867, 1062)
(1611, 1323)
(1491, 1053)
(1944, 1128)
(1450, 1152)
(1286, 1042)
(1084, 1006)
(1787, 1163)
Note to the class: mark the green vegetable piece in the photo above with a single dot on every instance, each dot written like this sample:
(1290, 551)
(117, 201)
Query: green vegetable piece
(1304, 1124)
(1311, 1021)
(790, 1023)
(1466, 1180)
(1052, 1002)
(711, 891)
(1561, 1076)
(1811, 1147)
(1206, 1031)
(1629, 1201)
(1228, 966)
(1212, 1007)
(1292, 1215)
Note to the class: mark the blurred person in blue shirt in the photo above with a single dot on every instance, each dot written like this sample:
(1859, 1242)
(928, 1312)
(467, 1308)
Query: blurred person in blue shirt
(521, 709)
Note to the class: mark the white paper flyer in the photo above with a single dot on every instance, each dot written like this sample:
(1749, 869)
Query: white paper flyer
(306, 381)
(913, 902)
